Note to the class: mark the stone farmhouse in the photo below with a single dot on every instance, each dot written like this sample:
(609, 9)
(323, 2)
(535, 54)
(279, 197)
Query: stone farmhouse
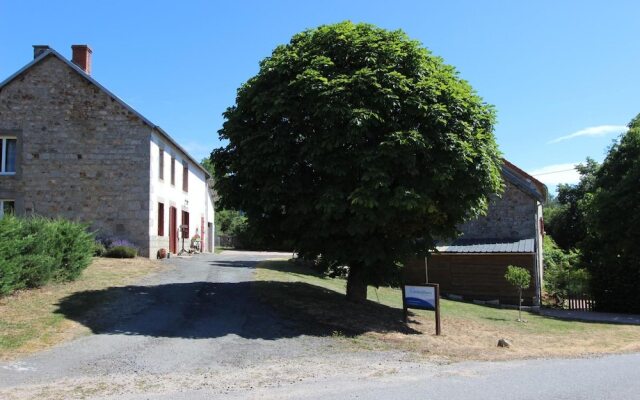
(472, 267)
(70, 148)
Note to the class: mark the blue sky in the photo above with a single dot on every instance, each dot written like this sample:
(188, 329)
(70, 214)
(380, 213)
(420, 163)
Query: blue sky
(553, 69)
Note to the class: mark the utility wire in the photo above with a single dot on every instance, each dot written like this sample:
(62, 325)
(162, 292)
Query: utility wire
(555, 172)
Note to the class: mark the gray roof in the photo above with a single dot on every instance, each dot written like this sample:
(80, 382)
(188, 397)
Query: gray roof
(488, 246)
(52, 52)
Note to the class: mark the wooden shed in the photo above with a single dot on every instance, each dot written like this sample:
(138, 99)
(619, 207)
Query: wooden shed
(472, 267)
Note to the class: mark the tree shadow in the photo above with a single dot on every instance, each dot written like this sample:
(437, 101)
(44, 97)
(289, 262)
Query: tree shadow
(201, 310)
(234, 264)
(292, 266)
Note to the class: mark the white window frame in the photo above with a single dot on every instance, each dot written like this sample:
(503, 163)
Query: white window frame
(3, 152)
(2, 206)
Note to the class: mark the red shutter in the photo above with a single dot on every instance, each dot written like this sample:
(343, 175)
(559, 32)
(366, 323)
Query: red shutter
(160, 219)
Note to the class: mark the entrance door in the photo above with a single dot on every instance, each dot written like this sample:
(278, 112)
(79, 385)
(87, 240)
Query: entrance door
(185, 229)
(173, 230)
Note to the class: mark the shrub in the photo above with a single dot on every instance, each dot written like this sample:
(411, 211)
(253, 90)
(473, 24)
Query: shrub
(121, 252)
(562, 273)
(36, 250)
(99, 249)
(521, 279)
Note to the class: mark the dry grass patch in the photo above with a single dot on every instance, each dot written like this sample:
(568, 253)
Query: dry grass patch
(28, 321)
(470, 332)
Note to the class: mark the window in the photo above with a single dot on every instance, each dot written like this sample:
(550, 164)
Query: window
(173, 171)
(7, 207)
(161, 164)
(8, 153)
(160, 219)
(185, 177)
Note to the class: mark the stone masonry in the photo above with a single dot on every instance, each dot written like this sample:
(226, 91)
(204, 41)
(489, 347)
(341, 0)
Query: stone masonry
(81, 154)
(510, 216)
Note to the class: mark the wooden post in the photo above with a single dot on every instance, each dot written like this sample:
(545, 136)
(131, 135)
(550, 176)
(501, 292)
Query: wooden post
(404, 307)
(437, 309)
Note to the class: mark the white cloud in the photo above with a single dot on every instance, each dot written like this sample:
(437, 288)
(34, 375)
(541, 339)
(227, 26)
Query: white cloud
(600, 130)
(552, 175)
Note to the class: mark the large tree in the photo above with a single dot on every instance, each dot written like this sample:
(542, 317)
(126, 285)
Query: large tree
(611, 250)
(352, 142)
(566, 214)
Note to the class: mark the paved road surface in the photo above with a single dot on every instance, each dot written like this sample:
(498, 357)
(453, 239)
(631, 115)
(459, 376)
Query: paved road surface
(195, 332)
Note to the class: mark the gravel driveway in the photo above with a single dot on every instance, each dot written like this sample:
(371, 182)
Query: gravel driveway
(195, 331)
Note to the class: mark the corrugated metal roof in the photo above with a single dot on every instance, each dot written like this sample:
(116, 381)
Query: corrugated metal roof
(488, 246)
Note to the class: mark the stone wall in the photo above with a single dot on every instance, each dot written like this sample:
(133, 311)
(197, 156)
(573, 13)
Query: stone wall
(82, 155)
(511, 216)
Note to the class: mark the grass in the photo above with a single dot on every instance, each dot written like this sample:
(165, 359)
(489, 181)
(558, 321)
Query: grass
(470, 331)
(28, 321)
(218, 249)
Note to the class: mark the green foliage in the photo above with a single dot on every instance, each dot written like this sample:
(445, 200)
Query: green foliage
(611, 250)
(34, 251)
(208, 165)
(230, 222)
(353, 141)
(565, 216)
(518, 277)
(562, 271)
(99, 249)
(121, 252)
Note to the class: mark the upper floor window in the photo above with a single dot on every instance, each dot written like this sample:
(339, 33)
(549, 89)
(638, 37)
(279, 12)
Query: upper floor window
(7, 207)
(161, 164)
(185, 177)
(8, 154)
(173, 171)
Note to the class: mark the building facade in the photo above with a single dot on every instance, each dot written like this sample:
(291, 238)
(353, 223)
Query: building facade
(72, 149)
(472, 266)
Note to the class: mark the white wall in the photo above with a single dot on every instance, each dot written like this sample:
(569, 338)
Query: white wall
(197, 201)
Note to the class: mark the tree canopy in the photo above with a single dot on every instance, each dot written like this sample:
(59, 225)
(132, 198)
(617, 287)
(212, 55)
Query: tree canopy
(352, 142)
(565, 216)
(611, 251)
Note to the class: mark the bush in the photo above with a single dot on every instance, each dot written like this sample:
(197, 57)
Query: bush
(121, 252)
(562, 272)
(36, 250)
(99, 249)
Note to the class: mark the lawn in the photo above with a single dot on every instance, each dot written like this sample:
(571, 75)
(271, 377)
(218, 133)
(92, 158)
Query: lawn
(469, 331)
(28, 318)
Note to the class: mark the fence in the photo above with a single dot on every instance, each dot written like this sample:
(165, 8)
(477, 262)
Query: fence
(580, 301)
(225, 241)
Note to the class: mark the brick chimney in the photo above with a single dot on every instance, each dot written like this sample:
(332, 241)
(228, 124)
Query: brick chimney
(39, 49)
(82, 57)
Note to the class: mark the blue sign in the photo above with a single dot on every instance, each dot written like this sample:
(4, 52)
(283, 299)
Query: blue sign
(423, 297)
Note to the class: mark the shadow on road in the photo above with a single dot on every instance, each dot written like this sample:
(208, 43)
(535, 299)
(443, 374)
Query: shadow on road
(208, 310)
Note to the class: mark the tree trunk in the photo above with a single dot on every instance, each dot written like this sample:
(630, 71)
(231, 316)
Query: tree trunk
(356, 283)
(520, 305)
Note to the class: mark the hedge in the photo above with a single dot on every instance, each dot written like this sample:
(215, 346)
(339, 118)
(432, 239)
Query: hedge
(37, 250)
(121, 252)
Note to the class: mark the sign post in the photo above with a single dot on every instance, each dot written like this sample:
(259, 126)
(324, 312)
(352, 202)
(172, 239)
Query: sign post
(422, 297)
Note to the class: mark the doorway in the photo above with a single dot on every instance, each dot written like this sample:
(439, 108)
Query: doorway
(210, 237)
(173, 230)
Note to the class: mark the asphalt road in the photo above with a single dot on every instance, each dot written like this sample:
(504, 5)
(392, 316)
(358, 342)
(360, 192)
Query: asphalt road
(195, 331)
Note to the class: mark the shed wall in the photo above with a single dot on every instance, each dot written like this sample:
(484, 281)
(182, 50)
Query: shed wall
(474, 277)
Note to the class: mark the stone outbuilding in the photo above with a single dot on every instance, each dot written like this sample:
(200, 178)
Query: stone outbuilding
(472, 267)
(70, 148)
